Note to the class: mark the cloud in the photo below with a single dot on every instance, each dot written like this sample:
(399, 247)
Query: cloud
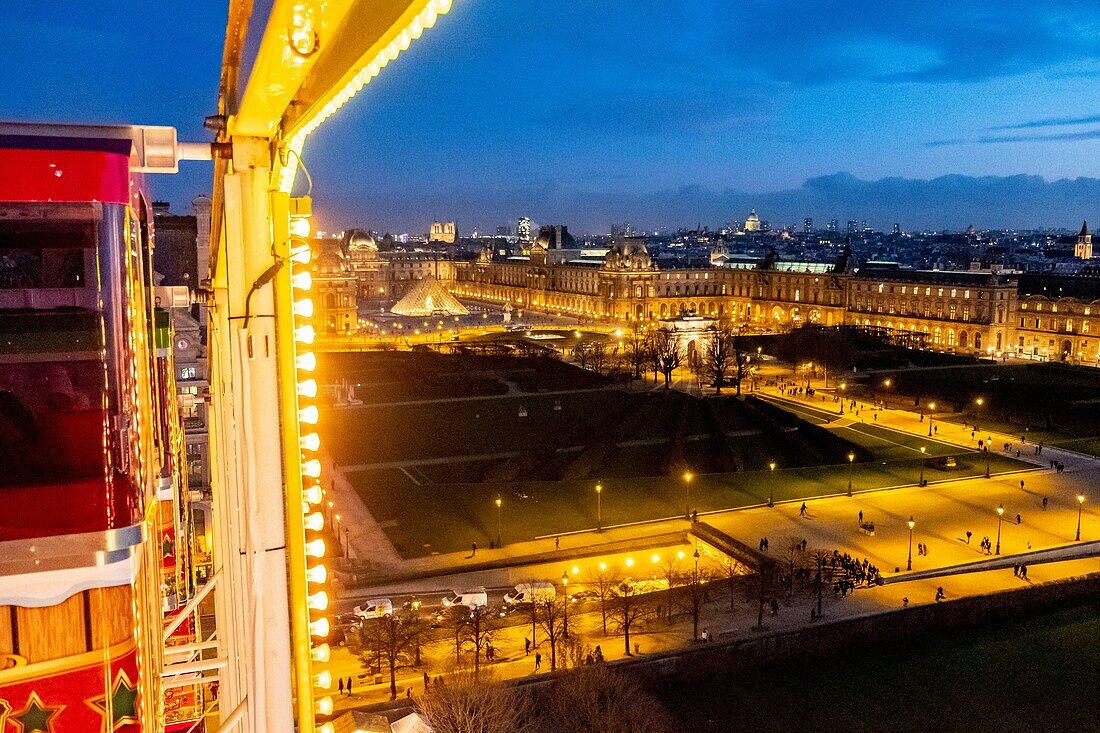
(1057, 136)
(1049, 122)
(946, 143)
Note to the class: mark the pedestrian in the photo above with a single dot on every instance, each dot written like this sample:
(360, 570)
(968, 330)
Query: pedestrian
(813, 615)
(349, 686)
(427, 681)
(589, 659)
(538, 660)
(940, 595)
(599, 654)
(526, 647)
(767, 544)
(1018, 455)
(706, 635)
(341, 685)
(557, 543)
(1023, 571)
(1016, 569)
(775, 607)
(1017, 519)
(694, 516)
(936, 429)
(1021, 481)
(761, 544)
(408, 692)
(473, 550)
(1044, 503)
(968, 535)
(861, 516)
(802, 511)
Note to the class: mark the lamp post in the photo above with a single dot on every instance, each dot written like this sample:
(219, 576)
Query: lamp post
(687, 494)
(599, 508)
(1000, 518)
(347, 544)
(1080, 506)
(843, 390)
(498, 502)
(851, 462)
(771, 484)
(909, 564)
(931, 408)
(565, 592)
(985, 449)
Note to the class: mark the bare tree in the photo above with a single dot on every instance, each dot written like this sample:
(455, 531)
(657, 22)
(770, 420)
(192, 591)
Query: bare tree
(732, 570)
(604, 580)
(551, 617)
(636, 348)
(694, 593)
(464, 704)
(628, 607)
(598, 699)
(669, 353)
(598, 356)
(742, 355)
(716, 356)
(389, 640)
(794, 557)
(480, 626)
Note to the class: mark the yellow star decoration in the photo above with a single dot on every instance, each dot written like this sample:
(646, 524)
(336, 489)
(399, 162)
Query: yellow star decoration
(36, 718)
(122, 708)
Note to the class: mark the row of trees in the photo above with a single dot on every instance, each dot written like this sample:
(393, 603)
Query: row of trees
(721, 356)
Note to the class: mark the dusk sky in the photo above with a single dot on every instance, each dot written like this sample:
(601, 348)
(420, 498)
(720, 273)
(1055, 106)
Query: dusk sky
(655, 113)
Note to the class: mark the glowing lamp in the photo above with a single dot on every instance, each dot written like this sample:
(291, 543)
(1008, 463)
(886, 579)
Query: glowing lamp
(303, 308)
(318, 601)
(321, 653)
(320, 627)
(318, 575)
(302, 280)
(308, 415)
(310, 442)
(315, 548)
(306, 361)
(314, 522)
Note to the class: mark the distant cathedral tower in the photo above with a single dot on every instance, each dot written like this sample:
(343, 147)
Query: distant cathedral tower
(1083, 249)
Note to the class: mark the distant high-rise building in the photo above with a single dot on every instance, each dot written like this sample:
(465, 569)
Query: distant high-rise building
(1083, 249)
(897, 228)
(853, 226)
(863, 226)
(834, 224)
(808, 224)
(504, 231)
(442, 232)
(523, 229)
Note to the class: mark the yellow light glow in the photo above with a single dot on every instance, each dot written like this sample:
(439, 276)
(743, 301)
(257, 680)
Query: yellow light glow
(307, 388)
(303, 308)
(630, 562)
(318, 601)
(315, 548)
(320, 627)
(299, 226)
(302, 280)
(680, 555)
(301, 255)
(314, 495)
(321, 653)
(323, 679)
(315, 522)
(324, 705)
(326, 728)
(318, 575)
(308, 415)
(310, 442)
(306, 361)
(305, 334)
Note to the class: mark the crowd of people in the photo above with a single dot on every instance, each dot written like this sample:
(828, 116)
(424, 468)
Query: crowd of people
(849, 573)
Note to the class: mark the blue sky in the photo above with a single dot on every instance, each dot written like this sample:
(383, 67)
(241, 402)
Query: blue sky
(589, 112)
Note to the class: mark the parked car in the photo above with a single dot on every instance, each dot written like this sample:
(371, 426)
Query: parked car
(538, 590)
(584, 596)
(470, 599)
(374, 608)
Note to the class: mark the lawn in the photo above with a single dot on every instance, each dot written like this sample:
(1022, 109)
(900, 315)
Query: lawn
(1032, 675)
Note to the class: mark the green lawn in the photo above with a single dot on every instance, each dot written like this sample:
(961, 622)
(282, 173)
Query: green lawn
(1032, 675)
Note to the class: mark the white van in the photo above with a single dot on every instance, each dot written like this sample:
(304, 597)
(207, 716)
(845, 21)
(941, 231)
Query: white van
(475, 598)
(535, 591)
(374, 608)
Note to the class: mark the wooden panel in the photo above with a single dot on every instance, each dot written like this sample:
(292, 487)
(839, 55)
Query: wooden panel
(112, 615)
(6, 642)
(52, 632)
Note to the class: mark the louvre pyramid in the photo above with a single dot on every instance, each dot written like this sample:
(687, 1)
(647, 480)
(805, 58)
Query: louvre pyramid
(429, 298)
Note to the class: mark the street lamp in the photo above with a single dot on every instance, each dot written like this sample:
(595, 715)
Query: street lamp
(599, 508)
(771, 485)
(909, 565)
(851, 462)
(498, 503)
(687, 494)
(1080, 506)
(1000, 518)
(565, 592)
(923, 453)
(985, 449)
(931, 408)
(843, 390)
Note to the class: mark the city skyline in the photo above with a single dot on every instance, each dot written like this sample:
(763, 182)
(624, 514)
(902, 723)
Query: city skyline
(662, 117)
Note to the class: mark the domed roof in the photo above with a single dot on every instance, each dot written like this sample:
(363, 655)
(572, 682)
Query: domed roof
(362, 240)
(753, 216)
(628, 253)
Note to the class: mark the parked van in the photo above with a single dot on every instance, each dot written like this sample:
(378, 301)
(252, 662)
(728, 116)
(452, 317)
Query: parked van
(374, 608)
(535, 591)
(475, 598)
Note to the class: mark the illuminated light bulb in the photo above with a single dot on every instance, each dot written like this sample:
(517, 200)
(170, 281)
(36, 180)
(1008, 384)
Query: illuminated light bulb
(442, 6)
(327, 728)
(299, 226)
(308, 415)
(306, 361)
(313, 495)
(303, 308)
(428, 17)
(316, 548)
(320, 627)
(315, 522)
(324, 706)
(323, 679)
(318, 601)
(307, 388)
(312, 468)
(318, 575)
(403, 40)
(310, 442)
(391, 51)
(301, 255)
(305, 334)
(321, 653)
(416, 28)
(302, 280)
